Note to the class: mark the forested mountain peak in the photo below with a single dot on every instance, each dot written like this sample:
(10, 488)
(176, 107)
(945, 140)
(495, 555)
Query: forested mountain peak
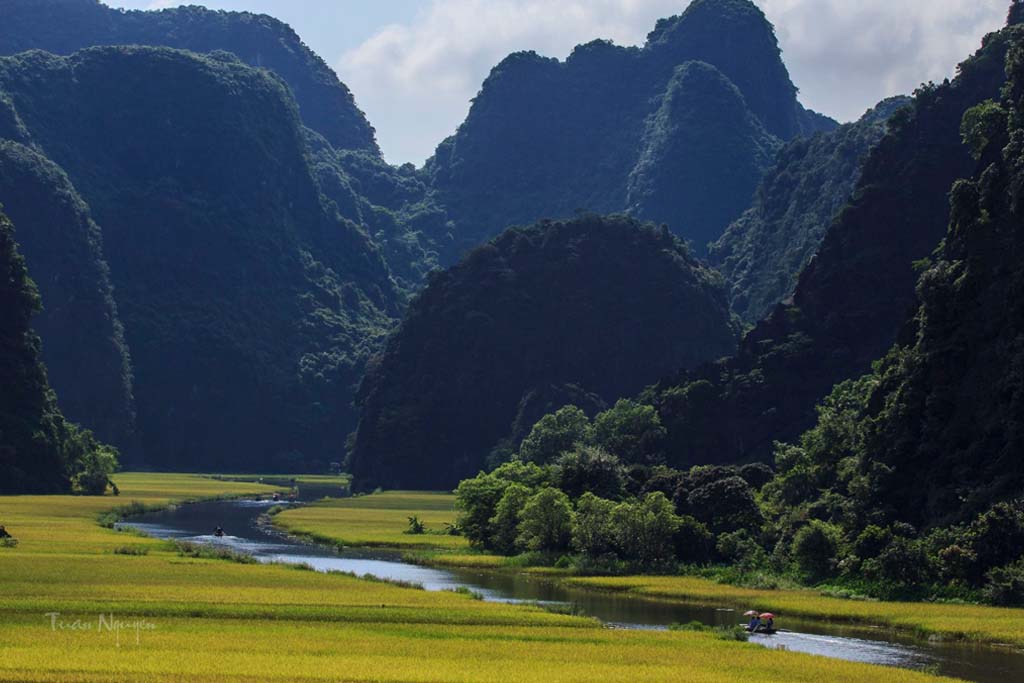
(593, 306)
(702, 154)
(66, 26)
(610, 125)
(736, 37)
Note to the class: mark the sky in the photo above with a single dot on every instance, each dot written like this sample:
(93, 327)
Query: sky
(414, 65)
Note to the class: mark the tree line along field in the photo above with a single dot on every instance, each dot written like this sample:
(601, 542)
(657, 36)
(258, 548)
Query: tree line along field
(381, 519)
(250, 622)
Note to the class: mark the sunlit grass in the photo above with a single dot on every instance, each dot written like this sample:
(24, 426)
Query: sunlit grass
(380, 519)
(214, 620)
(952, 621)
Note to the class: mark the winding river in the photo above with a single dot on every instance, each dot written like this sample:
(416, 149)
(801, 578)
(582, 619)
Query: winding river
(240, 521)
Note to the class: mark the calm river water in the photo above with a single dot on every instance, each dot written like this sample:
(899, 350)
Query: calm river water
(196, 522)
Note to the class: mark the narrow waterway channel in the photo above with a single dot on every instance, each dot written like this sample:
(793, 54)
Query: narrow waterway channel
(243, 533)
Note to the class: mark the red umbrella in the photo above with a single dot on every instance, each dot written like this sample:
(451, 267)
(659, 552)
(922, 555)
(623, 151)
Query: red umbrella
(767, 615)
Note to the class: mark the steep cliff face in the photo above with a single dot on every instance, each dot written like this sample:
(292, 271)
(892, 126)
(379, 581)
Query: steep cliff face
(248, 303)
(85, 352)
(40, 452)
(66, 26)
(762, 254)
(853, 296)
(590, 307)
(614, 129)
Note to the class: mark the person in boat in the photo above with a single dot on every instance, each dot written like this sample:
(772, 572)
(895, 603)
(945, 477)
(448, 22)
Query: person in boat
(219, 532)
(755, 622)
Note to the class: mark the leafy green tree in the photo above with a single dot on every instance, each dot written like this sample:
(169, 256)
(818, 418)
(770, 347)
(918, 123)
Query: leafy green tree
(996, 538)
(725, 505)
(982, 125)
(530, 475)
(590, 469)
(477, 500)
(740, 549)
(546, 523)
(593, 531)
(504, 531)
(693, 541)
(632, 431)
(815, 549)
(1005, 585)
(555, 434)
(647, 530)
(94, 466)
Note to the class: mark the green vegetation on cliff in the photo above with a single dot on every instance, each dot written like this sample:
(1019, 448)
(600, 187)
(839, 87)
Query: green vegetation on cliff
(851, 299)
(85, 352)
(595, 305)
(762, 254)
(678, 131)
(915, 470)
(39, 450)
(248, 302)
(66, 26)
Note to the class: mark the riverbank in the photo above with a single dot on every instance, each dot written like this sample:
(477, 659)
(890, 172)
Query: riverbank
(379, 520)
(87, 603)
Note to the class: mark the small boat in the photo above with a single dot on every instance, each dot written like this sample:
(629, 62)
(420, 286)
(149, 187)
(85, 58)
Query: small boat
(761, 631)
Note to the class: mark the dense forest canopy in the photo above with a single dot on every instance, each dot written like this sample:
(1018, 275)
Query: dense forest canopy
(221, 250)
(604, 305)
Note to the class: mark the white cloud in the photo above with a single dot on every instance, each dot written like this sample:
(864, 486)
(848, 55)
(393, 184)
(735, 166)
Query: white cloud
(415, 79)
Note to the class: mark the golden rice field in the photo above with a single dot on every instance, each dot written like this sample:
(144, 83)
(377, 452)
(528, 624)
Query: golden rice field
(379, 519)
(71, 609)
